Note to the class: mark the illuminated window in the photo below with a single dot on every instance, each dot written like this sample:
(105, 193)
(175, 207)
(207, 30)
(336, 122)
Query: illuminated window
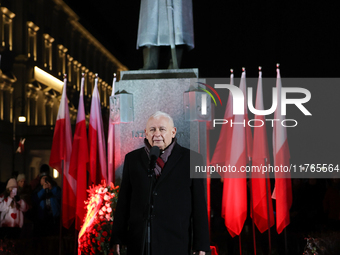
(7, 28)
(47, 54)
(32, 30)
(61, 60)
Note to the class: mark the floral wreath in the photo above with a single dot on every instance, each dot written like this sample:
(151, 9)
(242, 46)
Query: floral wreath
(95, 234)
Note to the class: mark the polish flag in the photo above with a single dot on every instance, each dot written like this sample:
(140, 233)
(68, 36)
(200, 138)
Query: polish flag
(261, 195)
(61, 152)
(283, 186)
(80, 159)
(223, 147)
(98, 169)
(235, 189)
(110, 143)
(21, 146)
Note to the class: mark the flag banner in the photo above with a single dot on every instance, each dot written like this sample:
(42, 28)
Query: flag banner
(283, 186)
(21, 147)
(234, 194)
(60, 159)
(111, 144)
(262, 206)
(97, 143)
(79, 164)
(300, 114)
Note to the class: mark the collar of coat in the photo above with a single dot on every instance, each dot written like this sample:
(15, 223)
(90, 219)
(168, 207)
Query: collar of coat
(165, 154)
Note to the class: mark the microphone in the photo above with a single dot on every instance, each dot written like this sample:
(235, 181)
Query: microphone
(154, 154)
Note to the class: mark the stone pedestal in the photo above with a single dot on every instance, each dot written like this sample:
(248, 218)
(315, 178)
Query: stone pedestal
(157, 90)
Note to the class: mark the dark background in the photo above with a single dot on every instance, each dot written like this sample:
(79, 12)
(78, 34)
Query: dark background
(300, 35)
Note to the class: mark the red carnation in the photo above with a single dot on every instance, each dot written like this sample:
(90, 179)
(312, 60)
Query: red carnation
(98, 243)
(99, 248)
(93, 240)
(104, 233)
(102, 239)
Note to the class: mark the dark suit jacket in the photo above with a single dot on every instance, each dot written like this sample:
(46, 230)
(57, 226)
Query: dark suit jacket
(179, 206)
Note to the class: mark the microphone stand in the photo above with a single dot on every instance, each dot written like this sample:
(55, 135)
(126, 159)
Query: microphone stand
(147, 231)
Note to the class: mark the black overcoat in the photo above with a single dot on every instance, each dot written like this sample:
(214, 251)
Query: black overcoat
(178, 206)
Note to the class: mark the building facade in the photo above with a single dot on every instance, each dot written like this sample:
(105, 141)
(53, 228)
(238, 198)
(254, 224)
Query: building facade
(41, 40)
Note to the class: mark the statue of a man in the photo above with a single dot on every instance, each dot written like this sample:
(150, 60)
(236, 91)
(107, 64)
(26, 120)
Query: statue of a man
(153, 28)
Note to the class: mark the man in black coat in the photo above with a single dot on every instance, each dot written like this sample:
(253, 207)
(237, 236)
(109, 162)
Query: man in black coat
(179, 219)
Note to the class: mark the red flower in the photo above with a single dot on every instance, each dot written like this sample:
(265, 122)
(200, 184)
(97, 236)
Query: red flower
(93, 240)
(104, 233)
(98, 243)
(99, 248)
(102, 239)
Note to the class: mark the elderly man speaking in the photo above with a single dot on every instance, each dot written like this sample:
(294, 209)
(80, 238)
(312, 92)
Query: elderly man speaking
(179, 221)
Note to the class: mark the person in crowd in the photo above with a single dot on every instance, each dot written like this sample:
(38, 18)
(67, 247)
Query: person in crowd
(47, 204)
(11, 208)
(24, 190)
(331, 204)
(178, 202)
(25, 193)
(44, 170)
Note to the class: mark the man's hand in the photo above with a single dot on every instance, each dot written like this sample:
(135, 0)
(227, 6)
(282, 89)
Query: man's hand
(47, 185)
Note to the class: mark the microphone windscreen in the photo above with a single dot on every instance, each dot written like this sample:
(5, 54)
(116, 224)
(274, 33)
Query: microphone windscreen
(155, 152)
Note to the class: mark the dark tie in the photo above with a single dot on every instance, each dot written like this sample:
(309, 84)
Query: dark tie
(160, 163)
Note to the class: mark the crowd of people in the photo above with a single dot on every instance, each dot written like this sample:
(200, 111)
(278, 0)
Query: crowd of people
(34, 209)
(30, 210)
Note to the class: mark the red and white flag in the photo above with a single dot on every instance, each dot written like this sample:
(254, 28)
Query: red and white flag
(61, 152)
(111, 143)
(21, 147)
(261, 195)
(80, 159)
(98, 168)
(235, 189)
(223, 147)
(283, 186)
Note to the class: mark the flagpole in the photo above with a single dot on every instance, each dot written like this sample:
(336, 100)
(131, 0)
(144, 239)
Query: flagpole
(252, 208)
(239, 244)
(61, 206)
(268, 213)
(286, 244)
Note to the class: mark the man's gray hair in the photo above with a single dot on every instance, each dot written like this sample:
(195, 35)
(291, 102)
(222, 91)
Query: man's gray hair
(158, 114)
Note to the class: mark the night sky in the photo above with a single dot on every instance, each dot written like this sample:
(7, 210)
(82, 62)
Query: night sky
(300, 35)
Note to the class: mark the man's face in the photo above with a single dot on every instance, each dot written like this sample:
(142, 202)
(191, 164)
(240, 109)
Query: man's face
(159, 132)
